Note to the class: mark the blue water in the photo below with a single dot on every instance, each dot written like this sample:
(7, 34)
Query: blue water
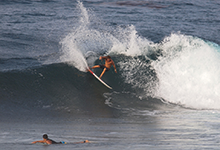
(165, 94)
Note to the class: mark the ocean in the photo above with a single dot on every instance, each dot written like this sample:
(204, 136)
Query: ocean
(166, 92)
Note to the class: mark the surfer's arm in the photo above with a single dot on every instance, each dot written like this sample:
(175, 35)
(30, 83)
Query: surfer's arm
(114, 67)
(102, 57)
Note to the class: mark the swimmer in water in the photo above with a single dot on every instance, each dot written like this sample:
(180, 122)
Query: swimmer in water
(48, 141)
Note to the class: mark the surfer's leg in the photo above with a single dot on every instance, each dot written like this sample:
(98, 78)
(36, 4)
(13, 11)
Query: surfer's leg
(97, 66)
(102, 73)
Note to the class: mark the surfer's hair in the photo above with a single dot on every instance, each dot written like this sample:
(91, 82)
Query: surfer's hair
(108, 57)
(45, 136)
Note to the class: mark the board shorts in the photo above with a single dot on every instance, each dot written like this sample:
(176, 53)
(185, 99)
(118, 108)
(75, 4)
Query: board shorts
(103, 67)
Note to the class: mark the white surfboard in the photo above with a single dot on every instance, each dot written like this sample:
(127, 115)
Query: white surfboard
(99, 79)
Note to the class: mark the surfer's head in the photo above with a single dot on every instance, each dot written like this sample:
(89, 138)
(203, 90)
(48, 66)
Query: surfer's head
(45, 136)
(109, 57)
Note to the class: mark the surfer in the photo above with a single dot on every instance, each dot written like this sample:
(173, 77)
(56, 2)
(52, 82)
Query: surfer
(106, 67)
(48, 141)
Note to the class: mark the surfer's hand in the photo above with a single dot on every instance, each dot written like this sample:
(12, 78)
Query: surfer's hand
(115, 71)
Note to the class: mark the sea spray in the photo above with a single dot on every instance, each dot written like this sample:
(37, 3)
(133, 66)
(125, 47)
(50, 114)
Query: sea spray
(71, 52)
(128, 42)
(84, 40)
(138, 72)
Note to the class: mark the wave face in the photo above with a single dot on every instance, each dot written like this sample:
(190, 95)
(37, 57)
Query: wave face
(181, 69)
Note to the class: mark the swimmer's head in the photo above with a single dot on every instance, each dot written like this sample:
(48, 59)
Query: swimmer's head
(45, 136)
(86, 141)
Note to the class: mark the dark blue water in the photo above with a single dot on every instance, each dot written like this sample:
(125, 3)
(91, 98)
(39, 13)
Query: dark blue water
(165, 94)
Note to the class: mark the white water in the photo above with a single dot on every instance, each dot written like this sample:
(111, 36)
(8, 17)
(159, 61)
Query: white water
(189, 72)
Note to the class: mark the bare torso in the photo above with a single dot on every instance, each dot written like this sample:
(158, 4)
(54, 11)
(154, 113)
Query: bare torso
(108, 63)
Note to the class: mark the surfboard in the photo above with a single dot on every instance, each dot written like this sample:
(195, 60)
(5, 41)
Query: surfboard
(99, 79)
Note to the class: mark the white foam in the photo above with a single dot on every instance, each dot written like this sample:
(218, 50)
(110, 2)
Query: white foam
(188, 72)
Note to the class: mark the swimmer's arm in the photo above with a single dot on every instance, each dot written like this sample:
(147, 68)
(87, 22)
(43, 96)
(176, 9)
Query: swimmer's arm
(43, 141)
(38, 142)
(86, 141)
